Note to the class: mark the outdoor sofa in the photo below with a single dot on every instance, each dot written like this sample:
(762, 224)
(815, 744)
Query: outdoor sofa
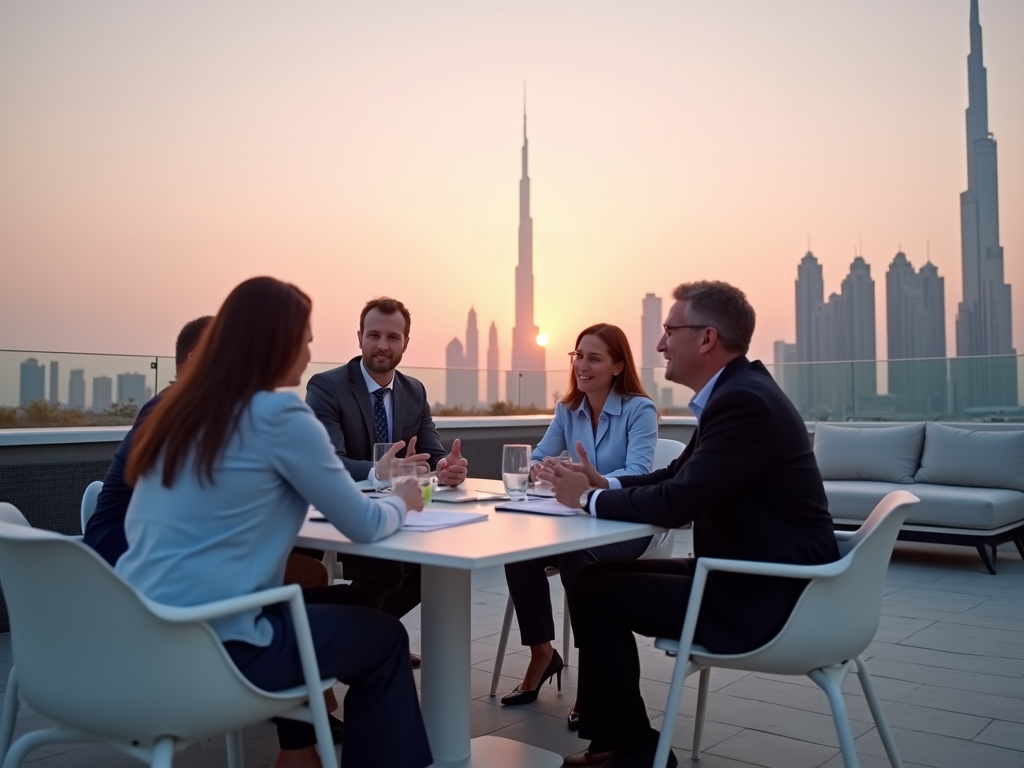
(970, 481)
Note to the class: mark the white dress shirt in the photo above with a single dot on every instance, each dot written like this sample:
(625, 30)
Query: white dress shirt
(697, 404)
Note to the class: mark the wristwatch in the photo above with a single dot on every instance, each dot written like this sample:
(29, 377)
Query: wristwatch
(585, 499)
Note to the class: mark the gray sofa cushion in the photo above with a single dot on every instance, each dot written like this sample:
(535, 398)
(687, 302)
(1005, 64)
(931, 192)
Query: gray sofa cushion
(971, 458)
(883, 454)
(982, 509)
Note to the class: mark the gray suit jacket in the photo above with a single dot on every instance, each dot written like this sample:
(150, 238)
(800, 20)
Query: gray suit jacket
(340, 400)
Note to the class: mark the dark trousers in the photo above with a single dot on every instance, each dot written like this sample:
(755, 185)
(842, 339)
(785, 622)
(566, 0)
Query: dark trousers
(528, 585)
(611, 601)
(387, 585)
(368, 651)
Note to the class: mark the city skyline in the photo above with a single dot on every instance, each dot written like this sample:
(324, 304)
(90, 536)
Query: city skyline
(672, 142)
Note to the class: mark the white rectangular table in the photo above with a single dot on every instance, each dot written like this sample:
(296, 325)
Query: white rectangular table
(448, 558)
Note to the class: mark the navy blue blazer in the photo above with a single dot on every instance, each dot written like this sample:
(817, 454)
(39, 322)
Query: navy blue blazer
(750, 485)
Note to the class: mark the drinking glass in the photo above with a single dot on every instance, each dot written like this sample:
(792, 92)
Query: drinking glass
(401, 469)
(515, 470)
(383, 482)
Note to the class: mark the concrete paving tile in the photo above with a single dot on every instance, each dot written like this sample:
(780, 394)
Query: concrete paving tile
(937, 751)
(967, 661)
(488, 719)
(682, 733)
(957, 638)
(931, 720)
(994, 622)
(999, 685)
(914, 612)
(771, 750)
(868, 761)
(994, 610)
(778, 719)
(1002, 734)
(968, 703)
(102, 756)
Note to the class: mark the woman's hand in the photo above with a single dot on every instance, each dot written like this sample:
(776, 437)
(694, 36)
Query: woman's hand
(408, 490)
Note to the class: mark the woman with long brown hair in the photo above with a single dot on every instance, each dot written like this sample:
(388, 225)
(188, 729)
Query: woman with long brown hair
(224, 471)
(607, 414)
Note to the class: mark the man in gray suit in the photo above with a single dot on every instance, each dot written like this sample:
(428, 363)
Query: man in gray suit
(367, 401)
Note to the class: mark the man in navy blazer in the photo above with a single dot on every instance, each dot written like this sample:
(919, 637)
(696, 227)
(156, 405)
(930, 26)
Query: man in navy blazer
(747, 481)
(367, 401)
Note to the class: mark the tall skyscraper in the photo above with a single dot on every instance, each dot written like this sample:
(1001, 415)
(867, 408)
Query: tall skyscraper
(916, 331)
(527, 382)
(102, 393)
(76, 389)
(915, 310)
(54, 373)
(840, 331)
(462, 375)
(983, 323)
(650, 334)
(492, 364)
(33, 382)
(131, 389)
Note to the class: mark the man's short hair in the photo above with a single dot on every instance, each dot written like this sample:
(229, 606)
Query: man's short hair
(386, 306)
(188, 337)
(723, 307)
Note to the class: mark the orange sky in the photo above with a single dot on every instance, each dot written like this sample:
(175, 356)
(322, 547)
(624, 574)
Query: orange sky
(154, 155)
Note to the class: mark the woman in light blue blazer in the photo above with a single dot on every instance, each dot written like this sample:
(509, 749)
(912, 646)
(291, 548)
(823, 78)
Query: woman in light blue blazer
(608, 413)
(224, 470)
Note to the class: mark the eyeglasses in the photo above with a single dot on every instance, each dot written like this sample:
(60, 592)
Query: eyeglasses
(669, 328)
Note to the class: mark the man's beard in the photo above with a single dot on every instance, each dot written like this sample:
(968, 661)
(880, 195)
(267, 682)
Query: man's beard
(375, 366)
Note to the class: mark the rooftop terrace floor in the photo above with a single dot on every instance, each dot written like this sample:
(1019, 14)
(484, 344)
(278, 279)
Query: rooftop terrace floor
(948, 663)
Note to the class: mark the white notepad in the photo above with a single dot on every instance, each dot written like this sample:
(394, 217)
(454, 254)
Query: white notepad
(544, 507)
(435, 519)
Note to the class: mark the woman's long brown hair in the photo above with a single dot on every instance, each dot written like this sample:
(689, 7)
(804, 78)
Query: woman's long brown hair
(250, 346)
(627, 382)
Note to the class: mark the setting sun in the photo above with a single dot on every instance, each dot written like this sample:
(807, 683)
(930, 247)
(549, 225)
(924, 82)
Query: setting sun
(542, 339)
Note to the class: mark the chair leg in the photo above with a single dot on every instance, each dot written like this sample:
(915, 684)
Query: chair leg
(876, 712)
(16, 754)
(324, 740)
(506, 627)
(9, 713)
(830, 681)
(163, 753)
(702, 706)
(1019, 541)
(236, 749)
(675, 696)
(566, 631)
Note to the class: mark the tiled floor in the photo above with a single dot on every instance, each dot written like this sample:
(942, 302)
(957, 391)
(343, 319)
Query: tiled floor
(948, 663)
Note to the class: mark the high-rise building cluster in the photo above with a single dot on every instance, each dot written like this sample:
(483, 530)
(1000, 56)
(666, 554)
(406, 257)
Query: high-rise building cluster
(131, 387)
(835, 338)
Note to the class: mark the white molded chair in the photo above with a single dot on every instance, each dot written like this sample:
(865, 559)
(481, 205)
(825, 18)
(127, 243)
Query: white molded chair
(665, 451)
(12, 515)
(109, 665)
(834, 620)
(89, 498)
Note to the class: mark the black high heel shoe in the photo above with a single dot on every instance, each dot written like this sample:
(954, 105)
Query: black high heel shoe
(520, 696)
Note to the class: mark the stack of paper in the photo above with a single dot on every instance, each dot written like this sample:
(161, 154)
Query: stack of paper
(544, 507)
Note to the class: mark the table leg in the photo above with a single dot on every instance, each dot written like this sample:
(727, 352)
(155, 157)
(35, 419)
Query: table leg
(445, 690)
(444, 640)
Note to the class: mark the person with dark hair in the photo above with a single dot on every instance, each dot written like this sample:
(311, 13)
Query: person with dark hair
(224, 470)
(105, 530)
(608, 418)
(367, 401)
(748, 482)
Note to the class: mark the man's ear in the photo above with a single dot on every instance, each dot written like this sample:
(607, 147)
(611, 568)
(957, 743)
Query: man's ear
(710, 339)
(406, 345)
(359, 339)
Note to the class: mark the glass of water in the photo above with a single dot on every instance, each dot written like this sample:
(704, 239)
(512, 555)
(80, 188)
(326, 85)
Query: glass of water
(515, 470)
(383, 481)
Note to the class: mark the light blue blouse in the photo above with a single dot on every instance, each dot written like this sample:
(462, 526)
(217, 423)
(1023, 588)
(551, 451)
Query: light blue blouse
(627, 432)
(197, 542)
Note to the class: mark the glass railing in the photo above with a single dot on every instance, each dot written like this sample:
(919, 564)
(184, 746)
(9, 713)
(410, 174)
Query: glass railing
(58, 389)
